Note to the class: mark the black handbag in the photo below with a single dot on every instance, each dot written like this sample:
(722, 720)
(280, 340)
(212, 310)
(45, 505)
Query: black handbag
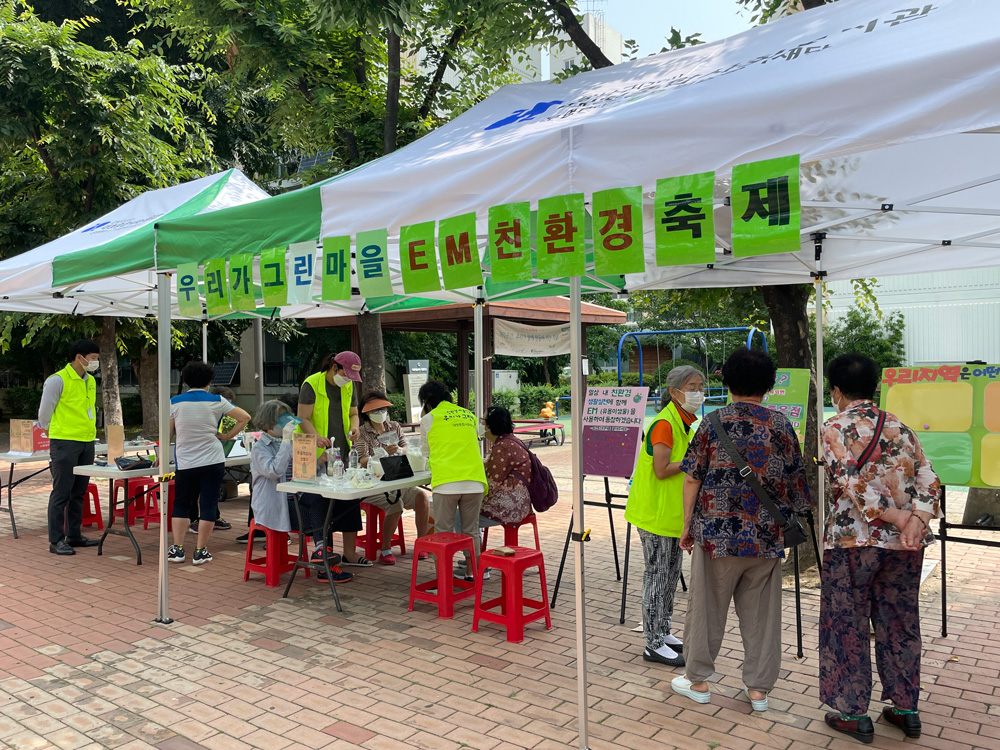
(133, 463)
(790, 527)
(395, 467)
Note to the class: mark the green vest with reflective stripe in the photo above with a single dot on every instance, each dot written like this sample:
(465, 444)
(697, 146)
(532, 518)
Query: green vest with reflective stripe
(321, 409)
(656, 505)
(453, 446)
(74, 417)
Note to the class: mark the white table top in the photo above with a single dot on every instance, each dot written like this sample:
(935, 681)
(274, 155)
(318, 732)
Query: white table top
(40, 456)
(352, 493)
(113, 472)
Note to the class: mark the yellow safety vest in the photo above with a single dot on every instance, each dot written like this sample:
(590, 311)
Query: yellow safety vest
(656, 505)
(453, 444)
(74, 417)
(321, 409)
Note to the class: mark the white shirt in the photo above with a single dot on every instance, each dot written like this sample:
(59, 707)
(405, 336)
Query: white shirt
(196, 415)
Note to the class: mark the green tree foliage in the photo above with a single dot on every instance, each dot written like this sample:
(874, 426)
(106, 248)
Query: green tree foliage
(862, 331)
(84, 130)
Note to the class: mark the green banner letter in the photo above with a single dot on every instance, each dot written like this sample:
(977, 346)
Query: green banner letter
(216, 288)
(684, 222)
(188, 301)
(459, 252)
(274, 277)
(373, 263)
(241, 282)
(618, 230)
(336, 268)
(509, 239)
(561, 245)
(417, 258)
(767, 211)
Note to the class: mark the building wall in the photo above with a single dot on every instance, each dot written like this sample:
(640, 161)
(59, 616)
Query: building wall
(950, 317)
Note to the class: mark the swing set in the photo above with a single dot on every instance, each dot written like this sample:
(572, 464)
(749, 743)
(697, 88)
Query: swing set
(714, 394)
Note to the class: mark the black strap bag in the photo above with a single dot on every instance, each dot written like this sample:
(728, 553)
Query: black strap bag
(790, 527)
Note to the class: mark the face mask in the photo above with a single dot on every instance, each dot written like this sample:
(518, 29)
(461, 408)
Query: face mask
(92, 365)
(378, 416)
(693, 401)
(340, 381)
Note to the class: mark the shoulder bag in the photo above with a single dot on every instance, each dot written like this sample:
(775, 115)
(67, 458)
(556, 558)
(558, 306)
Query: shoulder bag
(792, 530)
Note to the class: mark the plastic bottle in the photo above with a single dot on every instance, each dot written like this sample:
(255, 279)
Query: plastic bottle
(337, 468)
(352, 459)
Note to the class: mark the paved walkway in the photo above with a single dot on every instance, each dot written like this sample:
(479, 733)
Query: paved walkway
(82, 666)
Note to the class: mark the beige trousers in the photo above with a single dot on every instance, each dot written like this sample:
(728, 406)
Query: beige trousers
(754, 585)
(468, 505)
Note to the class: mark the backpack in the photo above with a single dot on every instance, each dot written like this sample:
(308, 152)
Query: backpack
(542, 488)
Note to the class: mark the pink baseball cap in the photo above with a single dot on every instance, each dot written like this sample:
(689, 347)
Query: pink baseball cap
(351, 363)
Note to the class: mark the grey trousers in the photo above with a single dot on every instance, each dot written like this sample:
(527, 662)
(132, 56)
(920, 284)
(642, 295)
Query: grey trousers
(467, 505)
(662, 555)
(754, 585)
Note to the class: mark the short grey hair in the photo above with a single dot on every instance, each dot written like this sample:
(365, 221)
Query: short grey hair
(269, 412)
(681, 374)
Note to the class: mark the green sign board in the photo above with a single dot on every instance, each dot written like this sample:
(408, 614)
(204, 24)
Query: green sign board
(561, 243)
(955, 411)
(683, 220)
(216, 287)
(241, 292)
(417, 258)
(274, 277)
(373, 263)
(767, 212)
(790, 396)
(618, 231)
(336, 268)
(459, 252)
(510, 242)
(188, 301)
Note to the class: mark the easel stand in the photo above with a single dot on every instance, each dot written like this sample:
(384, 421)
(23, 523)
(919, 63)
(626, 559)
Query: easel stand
(944, 538)
(609, 498)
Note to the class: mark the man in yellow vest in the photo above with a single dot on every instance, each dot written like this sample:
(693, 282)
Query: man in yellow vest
(328, 408)
(655, 507)
(67, 410)
(458, 476)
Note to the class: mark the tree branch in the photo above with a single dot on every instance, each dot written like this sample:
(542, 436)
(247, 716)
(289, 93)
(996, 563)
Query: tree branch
(810, 4)
(391, 93)
(351, 142)
(360, 63)
(571, 25)
(450, 48)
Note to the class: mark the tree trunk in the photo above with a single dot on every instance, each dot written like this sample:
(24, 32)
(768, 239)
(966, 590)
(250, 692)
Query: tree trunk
(111, 395)
(147, 374)
(571, 25)
(786, 305)
(372, 354)
(391, 94)
(450, 48)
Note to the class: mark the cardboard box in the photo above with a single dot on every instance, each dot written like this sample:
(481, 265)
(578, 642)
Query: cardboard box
(27, 437)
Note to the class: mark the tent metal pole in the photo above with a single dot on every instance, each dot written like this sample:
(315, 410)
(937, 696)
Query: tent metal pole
(204, 340)
(578, 536)
(165, 453)
(258, 361)
(818, 282)
(477, 348)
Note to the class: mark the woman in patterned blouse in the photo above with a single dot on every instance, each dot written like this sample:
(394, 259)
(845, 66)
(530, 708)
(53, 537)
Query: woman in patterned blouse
(737, 546)
(873, 553)
(508, 470)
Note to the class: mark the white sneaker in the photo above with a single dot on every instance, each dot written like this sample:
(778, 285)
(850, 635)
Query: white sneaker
(760, 705)
(682, 686)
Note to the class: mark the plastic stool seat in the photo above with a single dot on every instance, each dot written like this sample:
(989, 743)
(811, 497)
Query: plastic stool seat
(131, 487)
(512, 601)
(92, 507)
(276, 559)
(512, 532)
(372, 539)
(444, 590)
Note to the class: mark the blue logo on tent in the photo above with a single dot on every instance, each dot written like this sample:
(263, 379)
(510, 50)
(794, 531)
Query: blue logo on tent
(96, 226)
(523, 115)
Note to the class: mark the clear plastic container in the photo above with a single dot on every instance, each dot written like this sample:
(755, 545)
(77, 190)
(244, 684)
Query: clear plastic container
(352, 459)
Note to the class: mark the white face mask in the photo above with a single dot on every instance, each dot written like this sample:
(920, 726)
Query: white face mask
(92, 365)
(693, 401)
(378, 416)
(340, 381)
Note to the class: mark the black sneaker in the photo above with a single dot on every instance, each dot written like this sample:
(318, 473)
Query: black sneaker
(175, 554)
(223, 524)
(201, 556)
(244, 538)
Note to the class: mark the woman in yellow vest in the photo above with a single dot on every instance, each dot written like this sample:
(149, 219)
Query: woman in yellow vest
(328, 408)
(656, 509)
(458, 477)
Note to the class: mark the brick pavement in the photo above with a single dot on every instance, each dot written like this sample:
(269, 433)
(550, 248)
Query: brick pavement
(83, 666)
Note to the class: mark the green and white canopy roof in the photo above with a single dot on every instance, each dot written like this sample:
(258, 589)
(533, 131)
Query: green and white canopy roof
(114, 253)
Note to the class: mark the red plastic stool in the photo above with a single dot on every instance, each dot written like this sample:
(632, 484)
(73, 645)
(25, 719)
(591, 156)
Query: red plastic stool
(445, 589)
(132, 487)
(512, 600)
(372, 542)
(92, 511)
(276, 559)
(512, 532)
(153, 507)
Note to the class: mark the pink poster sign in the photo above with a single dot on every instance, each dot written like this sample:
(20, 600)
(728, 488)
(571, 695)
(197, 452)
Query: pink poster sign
(612, 430)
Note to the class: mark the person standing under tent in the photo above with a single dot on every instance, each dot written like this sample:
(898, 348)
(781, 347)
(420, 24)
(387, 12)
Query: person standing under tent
(655, 507)
(884, 496)
(328, 408)
(220, 523)
(195, 416)
(736, 545)
(458, 477)
(67, 411)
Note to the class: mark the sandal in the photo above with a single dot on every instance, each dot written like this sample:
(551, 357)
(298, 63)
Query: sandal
(361, 562)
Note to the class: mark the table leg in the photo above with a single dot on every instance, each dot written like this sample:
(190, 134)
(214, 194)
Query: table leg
(129, 501)
(10, 503)
(111, 517)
